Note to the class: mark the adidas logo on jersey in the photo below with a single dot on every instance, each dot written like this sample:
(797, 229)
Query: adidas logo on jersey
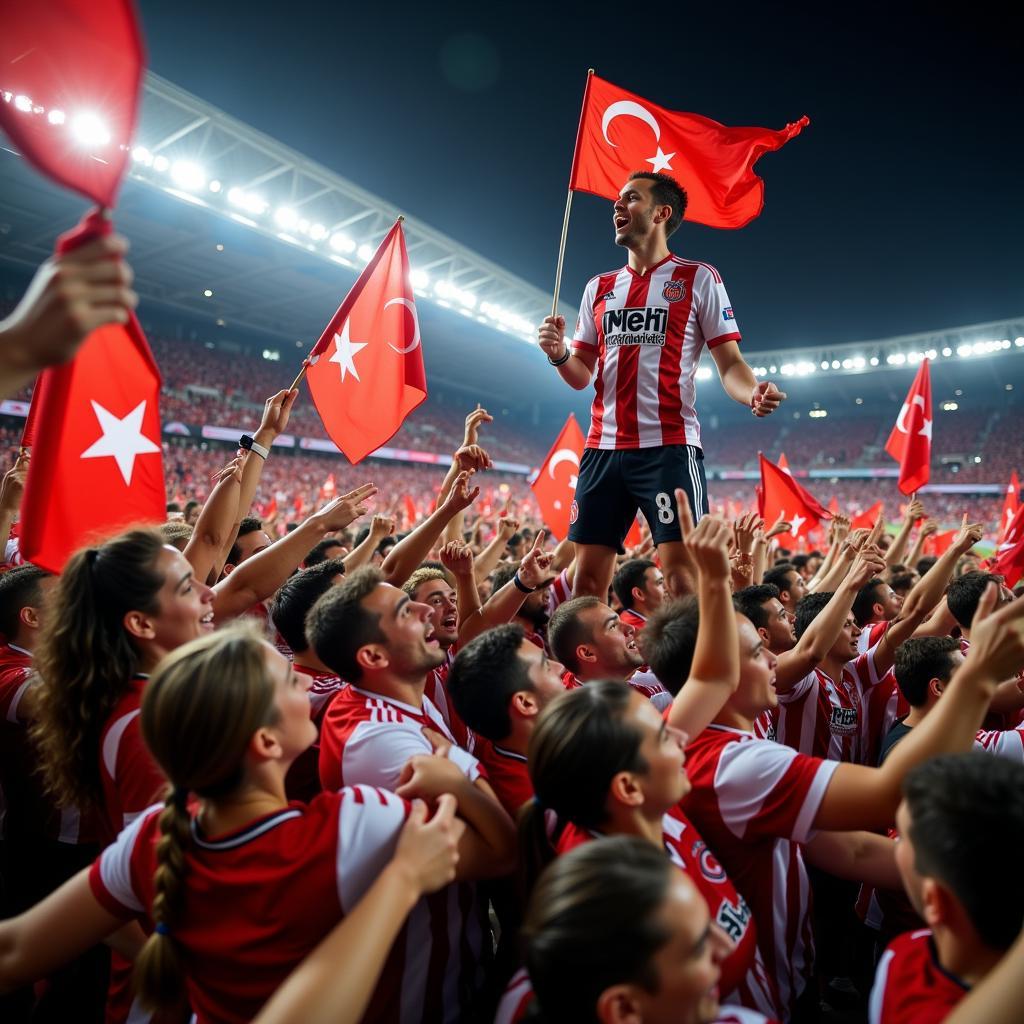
(644, 325)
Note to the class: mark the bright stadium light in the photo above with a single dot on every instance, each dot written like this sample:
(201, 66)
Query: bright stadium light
(23, 103)
(56, 116)
(286, 217)
(824, 364)
(950, 407)
(947, 352)
(161, 163)
(141, 155)
(317, 232)
(818, 414)
(89, 130)
(215, 186)
(419, 279)
(704, 373)
(188, 175)
(873, 360)
(342, 243)
(1019, 342)
(964, 350)
(246, 200)
(364, 252)
(896, 359)
(858, 362)
(836, 364)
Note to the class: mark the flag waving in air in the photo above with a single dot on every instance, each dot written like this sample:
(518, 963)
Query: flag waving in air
(555, 486)
(1009, 559)
(366, 371)
(784, 498)
(1010, 506)
(910, 442)
(621, 132)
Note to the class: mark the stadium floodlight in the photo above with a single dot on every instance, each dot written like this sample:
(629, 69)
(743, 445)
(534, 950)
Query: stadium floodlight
(1019, 342)
(90, 131)
(873, 360)
(215, 186)
(950, 407)
(858, 362)
(286, 217)
(419, 279)
(161, 163)
(947, 352)
(468, 299)
(188, 175)
(818, 414)
(56, 116)
(247, 200)
(772, 369)
(23, 103)
(141, 155)
(931, 354)
(317, 232)
(342, 243)
(824, 364)
(208, 293)
(703, 373)
(896, 359)
(964, 350)
(364, 252)
(836, 364)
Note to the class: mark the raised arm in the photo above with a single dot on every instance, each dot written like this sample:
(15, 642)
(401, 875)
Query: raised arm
(488, 559)
(915, 511)
(10, 497)
(381, 526)
(216, 522)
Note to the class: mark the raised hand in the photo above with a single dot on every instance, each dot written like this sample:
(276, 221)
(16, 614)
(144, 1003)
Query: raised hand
(457, 558)
(997, 636)
(14, 484)
(743, 530)
(382, 525)
(870, 562)
(276, 411)
(968, 535)
(551, 337)
(535, 569)
(460, 497)
(915, 511)
(766, 398)
(473, 420)
(472, 458)
(779, 526)
(346, 508)
(708, 545)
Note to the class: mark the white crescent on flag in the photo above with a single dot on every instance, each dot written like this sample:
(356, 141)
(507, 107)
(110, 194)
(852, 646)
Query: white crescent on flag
(562, 455)
(918, 400)
(628, 108)
(408, 303)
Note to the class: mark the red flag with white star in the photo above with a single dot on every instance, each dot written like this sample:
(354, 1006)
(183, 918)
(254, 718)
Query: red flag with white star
(366, 371)
(784, 498)
(867, 519)
(1010, 506)
(621, 132)
(97, 464)
(69, 76)
(910, 442)
(1009, 559)
(555, 486)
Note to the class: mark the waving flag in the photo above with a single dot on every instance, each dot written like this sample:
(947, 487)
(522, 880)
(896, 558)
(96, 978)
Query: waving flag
(72, 70)
(1009, 560)
(1010, 506)
(910, 442)
(366, 371)
(783, 497)
(621, 132)
(555, 486)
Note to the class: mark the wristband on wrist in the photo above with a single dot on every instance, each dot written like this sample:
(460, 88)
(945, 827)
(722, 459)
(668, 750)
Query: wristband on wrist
(562, 359)
(521, 586)
(246, 442)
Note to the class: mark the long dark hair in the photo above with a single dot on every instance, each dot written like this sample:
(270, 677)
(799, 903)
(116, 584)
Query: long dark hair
(86, 659)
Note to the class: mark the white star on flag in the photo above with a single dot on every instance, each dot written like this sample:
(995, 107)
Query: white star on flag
(796, 522)
(122, 439)
(660, 161)
(926, 430)
(344, 352)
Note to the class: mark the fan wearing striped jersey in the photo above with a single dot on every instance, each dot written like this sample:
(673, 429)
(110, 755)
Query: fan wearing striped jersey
(642, 330)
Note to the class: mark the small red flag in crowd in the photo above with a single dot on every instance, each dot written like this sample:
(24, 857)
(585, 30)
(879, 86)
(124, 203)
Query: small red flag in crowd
(1010, 506)
(555, 486)
(328, 487)
(366, 371)
(410, 512)
(97, 464)
(621, 132)
(783, 497)
(73, 69)
(939, 543)
(783, 464)
(910, 442)
(867, 519)
(635, 536)
(1009, 559)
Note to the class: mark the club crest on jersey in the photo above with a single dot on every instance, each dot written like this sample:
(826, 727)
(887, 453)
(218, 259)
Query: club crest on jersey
(673, 291)
(574, 512)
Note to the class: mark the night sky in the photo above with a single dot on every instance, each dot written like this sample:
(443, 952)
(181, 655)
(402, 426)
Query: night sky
(899, 209)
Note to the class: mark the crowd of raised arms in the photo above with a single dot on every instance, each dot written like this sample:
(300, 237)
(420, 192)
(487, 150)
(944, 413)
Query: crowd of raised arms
(414, 771)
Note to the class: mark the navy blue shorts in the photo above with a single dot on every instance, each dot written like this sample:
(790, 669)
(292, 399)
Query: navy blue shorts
(614, 484)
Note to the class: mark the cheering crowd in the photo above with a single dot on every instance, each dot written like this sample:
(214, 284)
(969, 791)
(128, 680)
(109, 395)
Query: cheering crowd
(400, 764)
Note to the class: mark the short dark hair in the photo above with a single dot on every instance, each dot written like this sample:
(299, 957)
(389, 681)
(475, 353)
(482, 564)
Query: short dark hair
(902, 582)
(629, 576)
(338, 625)
(964, 593)
(173, 506)
(668, 640)
(318, 553)
(19, 588)
(799, 561)
(967, 827)
(566, 632)
(924, 564)
(921, 659)
(250, 524)
(502, 575)
(864, 602)
(807, 611)
(297, 595)
(778, 575)
(751, 601)
(483, 678)
(666, 191)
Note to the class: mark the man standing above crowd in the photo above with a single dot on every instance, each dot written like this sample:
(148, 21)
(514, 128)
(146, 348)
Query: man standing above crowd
(642, 328)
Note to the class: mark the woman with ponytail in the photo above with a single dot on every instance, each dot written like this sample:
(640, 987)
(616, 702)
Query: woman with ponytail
(614, 932)
(234, 884)
(604, 762)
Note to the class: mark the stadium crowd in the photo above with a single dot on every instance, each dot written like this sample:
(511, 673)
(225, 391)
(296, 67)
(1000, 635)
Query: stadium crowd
(340, 745)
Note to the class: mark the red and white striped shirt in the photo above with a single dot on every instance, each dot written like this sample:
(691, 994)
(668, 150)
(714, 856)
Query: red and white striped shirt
(647, 332)
(754, 802)
(507, 774)
(911, 986)
(436, 690)
(257, 900)
(870, 634)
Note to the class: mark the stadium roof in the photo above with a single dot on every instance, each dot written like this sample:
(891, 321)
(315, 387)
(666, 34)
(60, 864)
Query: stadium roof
(232, 226)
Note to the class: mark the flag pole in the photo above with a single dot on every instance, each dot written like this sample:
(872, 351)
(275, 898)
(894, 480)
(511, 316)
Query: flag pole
(568, 199)
(305, 362)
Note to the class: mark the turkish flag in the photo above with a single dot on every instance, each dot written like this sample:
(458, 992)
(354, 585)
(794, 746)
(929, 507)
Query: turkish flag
(867, 519)
(97, 464)
(939, 543)
(910, 442)
(783, 497)
(783, 464)
(73, 69)
(621, 132)
(1009, 560)
(366, 371)
(555, 486)
(1010, 506)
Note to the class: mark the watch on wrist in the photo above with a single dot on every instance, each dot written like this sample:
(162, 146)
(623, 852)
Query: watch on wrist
(246, 442)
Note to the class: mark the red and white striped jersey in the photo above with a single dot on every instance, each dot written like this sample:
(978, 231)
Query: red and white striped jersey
(647, 332)
(303, 779)
(870, 634)
(911, 986)
(559, 592)
(754, 802)
(745, 979)
(646, 683)
(436, 689)
(257, 900)
(633, 618)
(823, 717)
(507, 774)
(367, 738)
(1007, 743)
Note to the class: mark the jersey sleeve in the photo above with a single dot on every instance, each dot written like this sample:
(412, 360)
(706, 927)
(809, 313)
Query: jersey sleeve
(110, 876)
(1008, 743)
(585, 335)
(769, 790)
(369, 821)
(714, 310)
(136, 777)
(801, 690)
